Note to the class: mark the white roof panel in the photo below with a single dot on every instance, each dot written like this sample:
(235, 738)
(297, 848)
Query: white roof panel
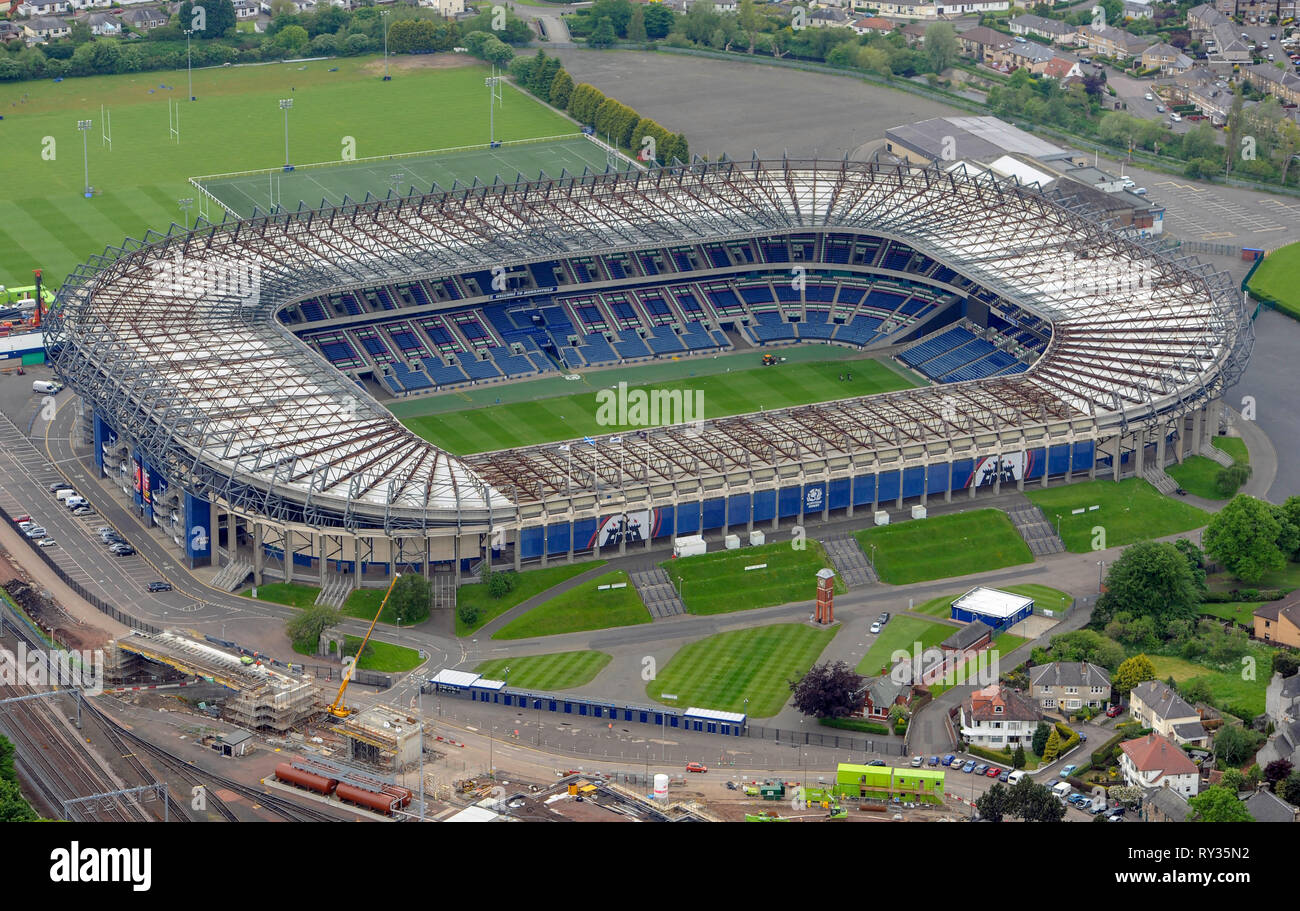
(991, 602)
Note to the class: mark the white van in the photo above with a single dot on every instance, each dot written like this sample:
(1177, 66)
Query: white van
(76, 502)
(1015, 776)
(63, 493)
(1062, 788)
(46, 387)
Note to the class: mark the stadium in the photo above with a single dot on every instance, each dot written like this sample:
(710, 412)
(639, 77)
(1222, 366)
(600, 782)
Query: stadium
(244, 415)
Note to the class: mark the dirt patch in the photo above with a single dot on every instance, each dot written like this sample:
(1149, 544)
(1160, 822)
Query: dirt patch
(35, 603)
(407, 62)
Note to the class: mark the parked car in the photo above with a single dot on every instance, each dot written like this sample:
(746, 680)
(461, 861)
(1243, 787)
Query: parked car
(1053, 783)
(1097, 808)
(1160, 109)
(122, 550)
(1065, 772)
(690, 766)
(981, 769)
(933, 762)
(969, 766)
(918, 761)
(160, 586)
(19, 520)
(35, 532)
(994, 771)
(1149, 97)
(875, 627)
(1115, 710)
(949, 759)
(876, 762)
(45, 542)
(1005, 776)
(883, 618)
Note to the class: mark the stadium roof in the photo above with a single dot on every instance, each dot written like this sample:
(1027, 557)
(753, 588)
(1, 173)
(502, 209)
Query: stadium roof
(226, 402)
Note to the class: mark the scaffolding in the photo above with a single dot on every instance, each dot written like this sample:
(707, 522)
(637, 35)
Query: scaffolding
(278, 705)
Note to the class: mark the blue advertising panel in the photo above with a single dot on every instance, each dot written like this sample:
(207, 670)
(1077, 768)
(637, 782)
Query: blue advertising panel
(864, 489)
(814, 497)
(764, 505)
(198, 524)
(787, 501)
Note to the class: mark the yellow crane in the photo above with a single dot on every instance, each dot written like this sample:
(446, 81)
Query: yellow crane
(338, 709)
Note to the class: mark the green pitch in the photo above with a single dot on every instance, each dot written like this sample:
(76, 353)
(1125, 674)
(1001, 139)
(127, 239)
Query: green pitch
(951, 545)
(718, 583)
(722, 671)
(404, 175)
(564, 417)
(557, 671)
(236, 125)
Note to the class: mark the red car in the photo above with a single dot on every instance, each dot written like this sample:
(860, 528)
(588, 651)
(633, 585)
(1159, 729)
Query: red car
(696, 767)
(993, 772)
(1114, 711)
(18, 520)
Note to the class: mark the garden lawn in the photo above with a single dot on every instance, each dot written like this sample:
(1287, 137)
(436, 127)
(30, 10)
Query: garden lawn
(717, 583)
(900, 633)
(1198, 474)
(582, 607)
(557, 671)
(1131, 510)
(530, 583)
(1242, 612)
(1275, 279)
(1287, 579)
(290, 593)
(720, 672)
(1004, 643)
(1230, 691)
(951, 545)
(384, 657)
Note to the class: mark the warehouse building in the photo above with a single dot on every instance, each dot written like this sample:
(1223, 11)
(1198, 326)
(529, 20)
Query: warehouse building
(998, 609)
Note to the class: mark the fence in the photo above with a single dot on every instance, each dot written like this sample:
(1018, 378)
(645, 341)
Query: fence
(82, 592)
(834, 741)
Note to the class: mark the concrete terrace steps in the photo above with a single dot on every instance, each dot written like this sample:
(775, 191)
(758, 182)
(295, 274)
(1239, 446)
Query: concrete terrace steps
(335, 591)
(847, 556)
(232, 575)
(1218, 455)
(1160, 480)
(657, 591)
(1033, 526)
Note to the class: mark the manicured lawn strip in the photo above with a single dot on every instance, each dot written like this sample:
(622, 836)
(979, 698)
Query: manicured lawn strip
(720, 672)
(901, 633)
(290, 593)
(511, 424)
(557, 671)
(1131, 510)
(363, 602)
(1233, 446)
(583, 607)
(1227, 686)
(717, 583)
(384, 656)
(953, 545)
(530, 583)
(1197, 476)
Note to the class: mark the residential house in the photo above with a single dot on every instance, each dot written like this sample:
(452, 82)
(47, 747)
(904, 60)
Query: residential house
(1284, 744)
(89, 4)
(873, 25)
(1062, 68)
(1069, 685)
(1285, 86)
(1166, 58)
(1282, 699)
(828, 17)
(144, 18)
(1203, 19)
(1028, 55)
(914, 32)
(975, 42)
(103, 24)
(881, 694)
(997, 717)
(1049, 29)
(45, 28)
(1279, 621)
(1133, 10)
(1164, 805)
(450, 8)
(246, 9)
(1207, 90)
(1226, 49)
(1265, 806)
(970, 638)
(1111, 41)
(1154, 761)
(44, 8)
(1158, 706)
(9, 31)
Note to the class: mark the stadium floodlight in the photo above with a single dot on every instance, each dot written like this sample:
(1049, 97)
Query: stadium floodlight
(384, 15)
(186, 203)
(84, 126)
(285, 104)
(189, 63)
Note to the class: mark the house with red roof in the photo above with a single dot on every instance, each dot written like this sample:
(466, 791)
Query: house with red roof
(1154, 761)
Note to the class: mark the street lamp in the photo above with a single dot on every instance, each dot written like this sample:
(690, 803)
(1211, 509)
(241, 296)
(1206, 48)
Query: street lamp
(285, 104)
(84, 126)
(384, 16)
(1101, 565)
(186, 203)
(1058, 524)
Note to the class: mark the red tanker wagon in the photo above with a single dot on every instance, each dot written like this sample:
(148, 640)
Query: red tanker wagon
(305, 780)
(371, 800)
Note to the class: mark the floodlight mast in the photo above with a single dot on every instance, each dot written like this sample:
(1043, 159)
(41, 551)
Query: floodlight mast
(84, 127)
(285, 104)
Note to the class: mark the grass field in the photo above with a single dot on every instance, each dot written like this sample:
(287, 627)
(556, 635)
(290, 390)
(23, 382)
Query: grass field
(951, 545)
(901, 633)
(1131, 510)
(530, 583)
(1287, 579)
(1197, 474)
(484, 427)
(722, 671)
(583, 607)
(717, 583)
(1003, 644)
(384, 656)
(1275, 279)
(290, 593)
(558, 671)
(1228, 687)
(45, 221)
(1242, 612)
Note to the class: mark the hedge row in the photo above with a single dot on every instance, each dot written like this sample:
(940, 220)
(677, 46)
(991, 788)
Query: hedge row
(854, 724)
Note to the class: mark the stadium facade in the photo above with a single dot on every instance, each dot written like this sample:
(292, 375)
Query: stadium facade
(233, 424)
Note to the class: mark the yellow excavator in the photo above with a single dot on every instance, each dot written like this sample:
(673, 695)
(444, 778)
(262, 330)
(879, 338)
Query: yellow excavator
(338, 709)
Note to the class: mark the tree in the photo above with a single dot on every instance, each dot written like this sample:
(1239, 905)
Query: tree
(658, 21)
(1135, 670)
(1197, 690)
(1018, 757)
(304, 628)
(1289, 790)
(603, 35)
(750, 21)
(468, 614)
(292, 38)
(80, 34)
(1150, 579)
(1228, 480)
(411, 598)
(994, 803)
(1233, 128)
(1033, 802)
(217, 19)
(1218, 804)
(1041, 733)
(1285, 663)
(1243, 537)
(941, 45)
(13, 808)
(1233, 779)
(1276, 771)
(1235, 744)
(1052, 748)
(828, 690)
(636, 25)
